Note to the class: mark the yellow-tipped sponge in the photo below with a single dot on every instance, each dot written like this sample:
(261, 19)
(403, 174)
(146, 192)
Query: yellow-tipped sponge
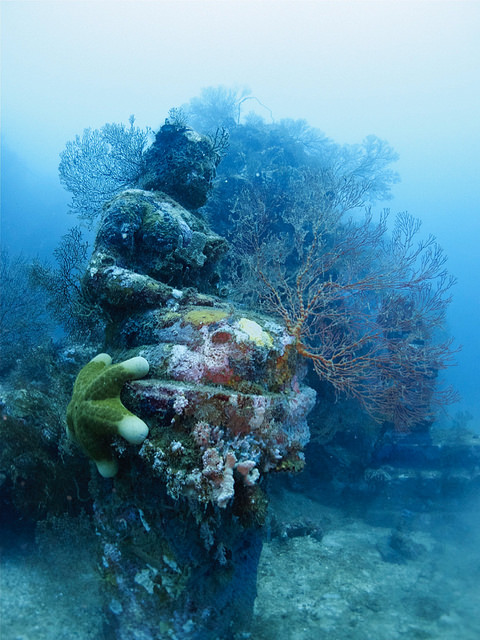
(95, 413)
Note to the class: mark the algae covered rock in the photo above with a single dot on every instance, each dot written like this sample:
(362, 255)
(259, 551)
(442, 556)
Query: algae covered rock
(182, 163)
(148, 247)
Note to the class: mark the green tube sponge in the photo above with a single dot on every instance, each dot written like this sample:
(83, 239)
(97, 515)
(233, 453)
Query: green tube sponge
(96, 415)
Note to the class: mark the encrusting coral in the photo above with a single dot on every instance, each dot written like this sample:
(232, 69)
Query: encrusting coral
(96, 414)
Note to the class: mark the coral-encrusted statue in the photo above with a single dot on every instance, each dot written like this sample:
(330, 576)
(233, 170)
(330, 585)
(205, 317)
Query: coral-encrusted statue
(180, 525)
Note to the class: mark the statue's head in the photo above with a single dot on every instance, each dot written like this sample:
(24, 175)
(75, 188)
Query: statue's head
(182, 163)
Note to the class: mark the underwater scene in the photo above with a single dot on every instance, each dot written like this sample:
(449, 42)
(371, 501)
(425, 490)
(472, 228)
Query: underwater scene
(239, 328)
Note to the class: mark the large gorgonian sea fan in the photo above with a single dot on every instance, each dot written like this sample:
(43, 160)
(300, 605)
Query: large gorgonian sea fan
(368, 310)
(100, 163)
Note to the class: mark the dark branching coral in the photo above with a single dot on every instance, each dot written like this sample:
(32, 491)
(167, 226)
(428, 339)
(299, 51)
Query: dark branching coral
(67, 300)
(23, 320)
(215, 107)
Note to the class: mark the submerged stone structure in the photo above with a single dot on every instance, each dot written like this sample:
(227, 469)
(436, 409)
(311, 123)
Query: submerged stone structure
(179, 525)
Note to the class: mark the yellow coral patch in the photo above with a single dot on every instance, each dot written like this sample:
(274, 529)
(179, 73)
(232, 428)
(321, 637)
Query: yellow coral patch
(255, 332)
(205, 315)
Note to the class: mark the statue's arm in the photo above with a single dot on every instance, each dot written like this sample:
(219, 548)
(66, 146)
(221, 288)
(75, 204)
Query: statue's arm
(116, 287)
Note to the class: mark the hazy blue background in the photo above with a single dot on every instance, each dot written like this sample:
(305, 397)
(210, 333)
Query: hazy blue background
(405, 71)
